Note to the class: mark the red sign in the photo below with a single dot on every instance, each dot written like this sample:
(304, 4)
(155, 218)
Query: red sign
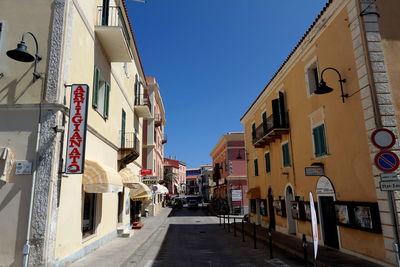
(146, 172)
(383, 138)
(75, 160)
(387, 161)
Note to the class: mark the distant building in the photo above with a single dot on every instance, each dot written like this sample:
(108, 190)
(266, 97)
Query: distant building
(204, 181)
(175, 175)
(229, 173)
(192, 183)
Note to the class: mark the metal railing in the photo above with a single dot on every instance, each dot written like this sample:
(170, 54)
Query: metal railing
(158, 120)
(113, 17)
(143, 100)
(129, 140)
(164, 139)
(268, 126)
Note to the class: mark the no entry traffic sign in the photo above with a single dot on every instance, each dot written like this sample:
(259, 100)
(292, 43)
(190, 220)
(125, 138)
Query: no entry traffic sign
(387, 161)
(383, 138)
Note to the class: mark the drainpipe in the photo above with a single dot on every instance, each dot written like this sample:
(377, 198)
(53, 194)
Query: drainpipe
(26, 248)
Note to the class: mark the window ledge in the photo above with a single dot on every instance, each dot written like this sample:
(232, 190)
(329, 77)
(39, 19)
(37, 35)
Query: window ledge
(84, 240)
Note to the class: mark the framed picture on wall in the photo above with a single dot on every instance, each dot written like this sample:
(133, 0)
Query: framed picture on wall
(342, 214)
(363, 218)
(263, 207)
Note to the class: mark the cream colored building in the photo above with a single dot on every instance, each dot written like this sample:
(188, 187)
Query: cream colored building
(81, 42)
(298, 141)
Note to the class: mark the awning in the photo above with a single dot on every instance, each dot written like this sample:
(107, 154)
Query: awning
(161, 189)
(128, 177)
(139, 192)
(253, 193)
(100, 178)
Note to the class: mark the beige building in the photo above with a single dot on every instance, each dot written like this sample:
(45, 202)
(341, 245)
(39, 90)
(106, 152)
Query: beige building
(300, 141)
(80, 42)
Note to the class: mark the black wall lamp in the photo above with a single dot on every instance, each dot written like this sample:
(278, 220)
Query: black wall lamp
(21, 54)
(324, 89)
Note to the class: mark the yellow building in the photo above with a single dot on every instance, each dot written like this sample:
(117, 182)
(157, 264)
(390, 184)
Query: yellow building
(299, 141)
(48, 215)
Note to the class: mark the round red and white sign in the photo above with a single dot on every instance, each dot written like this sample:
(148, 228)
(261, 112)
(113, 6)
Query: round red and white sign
(383, 138)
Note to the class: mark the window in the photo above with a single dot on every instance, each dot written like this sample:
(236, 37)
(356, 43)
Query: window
(89, 213)
(267, 162)
(319, 141)
(264, 121)
(255, 167)
(253, 131)
(253, 207)
(312, 77)
(101, 94)
(286, 155)
(123, 122)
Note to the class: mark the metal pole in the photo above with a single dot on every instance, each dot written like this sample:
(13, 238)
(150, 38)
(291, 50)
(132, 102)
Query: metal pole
(270, 242)
(229, 224)
(395, 225)
(305, 250)
(234, 226)
(254, 235)
(242, 230)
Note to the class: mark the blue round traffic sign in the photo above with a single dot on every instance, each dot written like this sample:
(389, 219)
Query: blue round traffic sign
(387, 161)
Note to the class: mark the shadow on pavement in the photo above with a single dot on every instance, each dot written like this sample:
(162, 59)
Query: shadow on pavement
(188, 212)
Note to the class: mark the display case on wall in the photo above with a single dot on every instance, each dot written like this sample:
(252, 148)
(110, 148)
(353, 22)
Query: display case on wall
(263, 207)
(280, 207)
(359, 215)
(307, 211)
(297, 208)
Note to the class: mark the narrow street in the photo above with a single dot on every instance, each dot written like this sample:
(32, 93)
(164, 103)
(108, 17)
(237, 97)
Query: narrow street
(191, 238)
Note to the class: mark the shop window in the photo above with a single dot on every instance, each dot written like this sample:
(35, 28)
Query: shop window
(101, 94)
(120, 206)
(286, 155)
(312, 77)
(267, 162)
(256, 167)
(320, 148)
(89, 214)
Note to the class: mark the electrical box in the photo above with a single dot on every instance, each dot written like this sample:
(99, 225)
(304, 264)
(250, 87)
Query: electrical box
(23, 167)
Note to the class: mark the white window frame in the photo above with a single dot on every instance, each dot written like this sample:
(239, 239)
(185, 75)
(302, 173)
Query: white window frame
(311, 63)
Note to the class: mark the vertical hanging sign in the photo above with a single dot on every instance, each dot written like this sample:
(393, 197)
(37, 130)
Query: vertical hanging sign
(75, 159)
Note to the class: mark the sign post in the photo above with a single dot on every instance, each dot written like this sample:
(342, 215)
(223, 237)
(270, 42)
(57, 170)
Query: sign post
(388, 162)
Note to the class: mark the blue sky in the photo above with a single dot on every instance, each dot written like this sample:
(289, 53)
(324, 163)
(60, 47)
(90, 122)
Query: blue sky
(211, 59)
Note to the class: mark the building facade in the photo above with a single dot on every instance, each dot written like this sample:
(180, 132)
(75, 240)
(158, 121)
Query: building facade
(192, 181)
(53, 214)
(299, 141)
(206, 181)
(175, 175)
(230, 177)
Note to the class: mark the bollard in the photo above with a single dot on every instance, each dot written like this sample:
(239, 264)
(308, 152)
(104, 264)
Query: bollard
(254, 235)
(229, 224)
(305, 250)
(234, 226)
(270, 242)
(224, 221)
(242, 230)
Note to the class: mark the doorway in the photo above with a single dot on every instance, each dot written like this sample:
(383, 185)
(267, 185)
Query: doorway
(271, 212)
(291, 222)
(328, 215)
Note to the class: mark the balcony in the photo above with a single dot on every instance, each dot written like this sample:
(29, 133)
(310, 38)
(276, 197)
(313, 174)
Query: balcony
(129, 149)
(274, 127)
(143, 106)
(164, 139)
(158, 120)
(113, 34)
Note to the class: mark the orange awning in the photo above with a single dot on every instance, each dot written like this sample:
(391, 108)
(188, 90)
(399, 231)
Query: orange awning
(253, 193)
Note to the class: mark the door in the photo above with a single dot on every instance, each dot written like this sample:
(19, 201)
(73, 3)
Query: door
(271, 211)
(328, 216)
(291, 221)
(105, 13)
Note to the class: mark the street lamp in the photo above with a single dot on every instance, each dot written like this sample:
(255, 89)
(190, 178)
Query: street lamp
(21, 54)
(324, 89)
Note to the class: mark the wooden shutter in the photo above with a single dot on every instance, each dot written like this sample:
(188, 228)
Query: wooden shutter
(267, 162)
(319, 140)
(96, 85)
(282, 109)
(106, 100)
(276, 113)
(123, 122)
(256, 167)
(286, 155)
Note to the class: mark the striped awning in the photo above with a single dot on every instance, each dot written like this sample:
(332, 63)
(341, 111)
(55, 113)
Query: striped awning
(100, 178)
(128, 177)
(139, 192)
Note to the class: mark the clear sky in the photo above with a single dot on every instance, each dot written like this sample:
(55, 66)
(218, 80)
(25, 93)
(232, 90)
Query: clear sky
(211, 59)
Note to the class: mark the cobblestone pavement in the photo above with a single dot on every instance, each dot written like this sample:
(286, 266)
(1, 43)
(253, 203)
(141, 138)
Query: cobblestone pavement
(191, 238)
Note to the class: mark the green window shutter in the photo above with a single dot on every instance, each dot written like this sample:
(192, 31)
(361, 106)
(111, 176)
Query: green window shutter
(96, 85)
(286, 155)
(316, 141)
(267, 163)
(255, 167)
(320, 141)
(106, 100)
